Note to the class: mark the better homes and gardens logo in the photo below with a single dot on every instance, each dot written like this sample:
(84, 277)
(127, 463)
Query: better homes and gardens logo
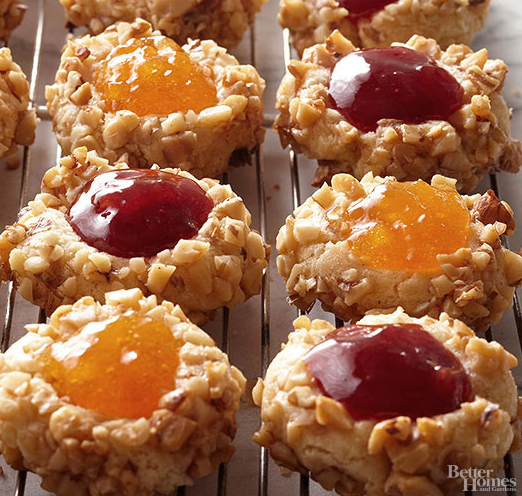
(481, 479)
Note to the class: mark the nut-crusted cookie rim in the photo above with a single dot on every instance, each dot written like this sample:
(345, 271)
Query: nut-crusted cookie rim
(459, 147)
(297, 418)
(475, 283)
(187, 436)
(221, 266)
(142, 29)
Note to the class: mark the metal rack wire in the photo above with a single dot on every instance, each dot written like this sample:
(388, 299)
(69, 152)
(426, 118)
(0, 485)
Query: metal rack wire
(263, 460)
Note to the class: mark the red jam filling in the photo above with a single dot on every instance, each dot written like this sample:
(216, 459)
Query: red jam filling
(138, 213)
(381, 372)
(361, 8)
(392, 83)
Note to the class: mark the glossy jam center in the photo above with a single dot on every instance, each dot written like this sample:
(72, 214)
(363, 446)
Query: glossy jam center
(392, 83)
(404, 226)
(381, 372)
(361, 8)
(153, 76)
(120, 367)
(138, 213)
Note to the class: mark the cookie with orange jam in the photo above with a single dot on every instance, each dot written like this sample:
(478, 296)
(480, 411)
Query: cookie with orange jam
(379, 23)
(380, 244)
(222, 21)
(385, 406)
(128, 398)
(98, 227)
(410, 111)
(132, 94)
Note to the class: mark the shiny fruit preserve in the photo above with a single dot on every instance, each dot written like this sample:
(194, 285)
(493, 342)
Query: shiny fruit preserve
(384, 371)
(364, 8)
(138, 213)
(151, 76)
(404, 226)
(392, 83)
(120, 367)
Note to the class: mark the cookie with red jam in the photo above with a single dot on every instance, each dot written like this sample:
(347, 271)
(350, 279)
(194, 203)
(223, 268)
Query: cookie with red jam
(385, 406)
(98, 227)
(409, 111)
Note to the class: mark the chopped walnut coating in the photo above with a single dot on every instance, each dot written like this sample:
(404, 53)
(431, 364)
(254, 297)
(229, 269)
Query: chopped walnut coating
(81, 452)
(475, 284)
(488, 209)
(474, 142)
(309, 432)
(223, 21)
(11, 15)
(204, 143)
(221, 266)
(447, 21)
(17, 121)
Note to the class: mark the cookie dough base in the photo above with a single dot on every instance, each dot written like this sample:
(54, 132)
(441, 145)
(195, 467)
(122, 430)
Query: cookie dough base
(221, 266)
(17, 121)
(473, 142)
(11, 15)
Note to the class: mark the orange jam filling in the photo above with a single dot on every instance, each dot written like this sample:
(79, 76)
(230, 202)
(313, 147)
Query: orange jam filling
(120, 367)
(404, 226)
(153, 76)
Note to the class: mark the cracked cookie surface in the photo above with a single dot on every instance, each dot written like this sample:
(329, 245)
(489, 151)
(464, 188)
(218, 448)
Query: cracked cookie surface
(474, 283)
(473, 142)
(222, 265)
(206, 143)
(223, 21)
(307, 431)
(80, 451)
(447, 21)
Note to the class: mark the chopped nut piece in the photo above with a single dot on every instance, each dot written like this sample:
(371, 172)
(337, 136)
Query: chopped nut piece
(488, 209)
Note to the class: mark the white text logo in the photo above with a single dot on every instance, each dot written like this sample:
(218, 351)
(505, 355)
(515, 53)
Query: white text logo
(480, 479)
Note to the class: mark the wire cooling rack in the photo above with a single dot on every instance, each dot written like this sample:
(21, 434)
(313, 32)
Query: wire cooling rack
(276, 184)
